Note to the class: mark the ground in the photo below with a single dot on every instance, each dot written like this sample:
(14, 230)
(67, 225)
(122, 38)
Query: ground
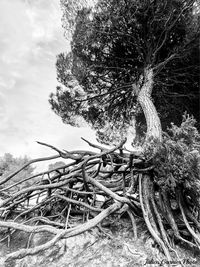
(112, 246)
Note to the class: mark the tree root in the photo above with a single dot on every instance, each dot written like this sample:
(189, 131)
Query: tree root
(191, 231)
(173, 223)
(134, 225)
(159, 220)
(144, 201)
(71, 199)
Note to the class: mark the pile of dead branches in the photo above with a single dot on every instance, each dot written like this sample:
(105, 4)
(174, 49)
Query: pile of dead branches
(73, 198)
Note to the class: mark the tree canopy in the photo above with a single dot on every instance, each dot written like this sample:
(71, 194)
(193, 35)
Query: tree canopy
(70, 9)
(111, 48)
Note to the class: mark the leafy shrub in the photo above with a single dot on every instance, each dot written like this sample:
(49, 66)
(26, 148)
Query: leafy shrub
(177, 159)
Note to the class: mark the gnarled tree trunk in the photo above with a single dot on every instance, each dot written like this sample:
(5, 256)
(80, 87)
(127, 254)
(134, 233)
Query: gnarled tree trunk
(146, 183)
(144, 98)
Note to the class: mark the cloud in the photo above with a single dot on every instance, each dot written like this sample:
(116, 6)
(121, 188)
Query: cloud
(30, 38)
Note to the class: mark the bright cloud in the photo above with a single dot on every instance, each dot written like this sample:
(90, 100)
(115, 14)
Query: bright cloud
(30, 38)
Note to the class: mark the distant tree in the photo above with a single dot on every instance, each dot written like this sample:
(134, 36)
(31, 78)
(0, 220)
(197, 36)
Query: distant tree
(56, 165)
(9, 164)
(128, 57)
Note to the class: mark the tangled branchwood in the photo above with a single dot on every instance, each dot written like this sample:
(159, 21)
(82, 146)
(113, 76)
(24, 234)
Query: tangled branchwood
(76, 197)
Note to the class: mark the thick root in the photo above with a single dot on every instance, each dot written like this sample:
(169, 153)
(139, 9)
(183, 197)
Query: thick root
(144, 201)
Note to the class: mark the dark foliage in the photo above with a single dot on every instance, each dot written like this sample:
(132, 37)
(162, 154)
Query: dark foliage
(177, 159)
(112, 46)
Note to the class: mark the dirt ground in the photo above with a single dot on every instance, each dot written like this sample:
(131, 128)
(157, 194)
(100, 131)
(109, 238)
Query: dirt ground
(112, 247)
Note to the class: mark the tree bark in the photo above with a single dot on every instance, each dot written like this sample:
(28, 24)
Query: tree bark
(144, 98)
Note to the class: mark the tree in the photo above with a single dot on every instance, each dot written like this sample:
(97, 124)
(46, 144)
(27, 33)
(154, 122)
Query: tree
(56, 165)
(70, 9)
(10, 164)
(120, 50)
(127, 57)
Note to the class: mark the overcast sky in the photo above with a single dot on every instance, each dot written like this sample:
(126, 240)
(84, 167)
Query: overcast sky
(30, 38)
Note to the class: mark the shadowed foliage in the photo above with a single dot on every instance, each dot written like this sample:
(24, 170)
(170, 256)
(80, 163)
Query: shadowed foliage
(111, 48)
